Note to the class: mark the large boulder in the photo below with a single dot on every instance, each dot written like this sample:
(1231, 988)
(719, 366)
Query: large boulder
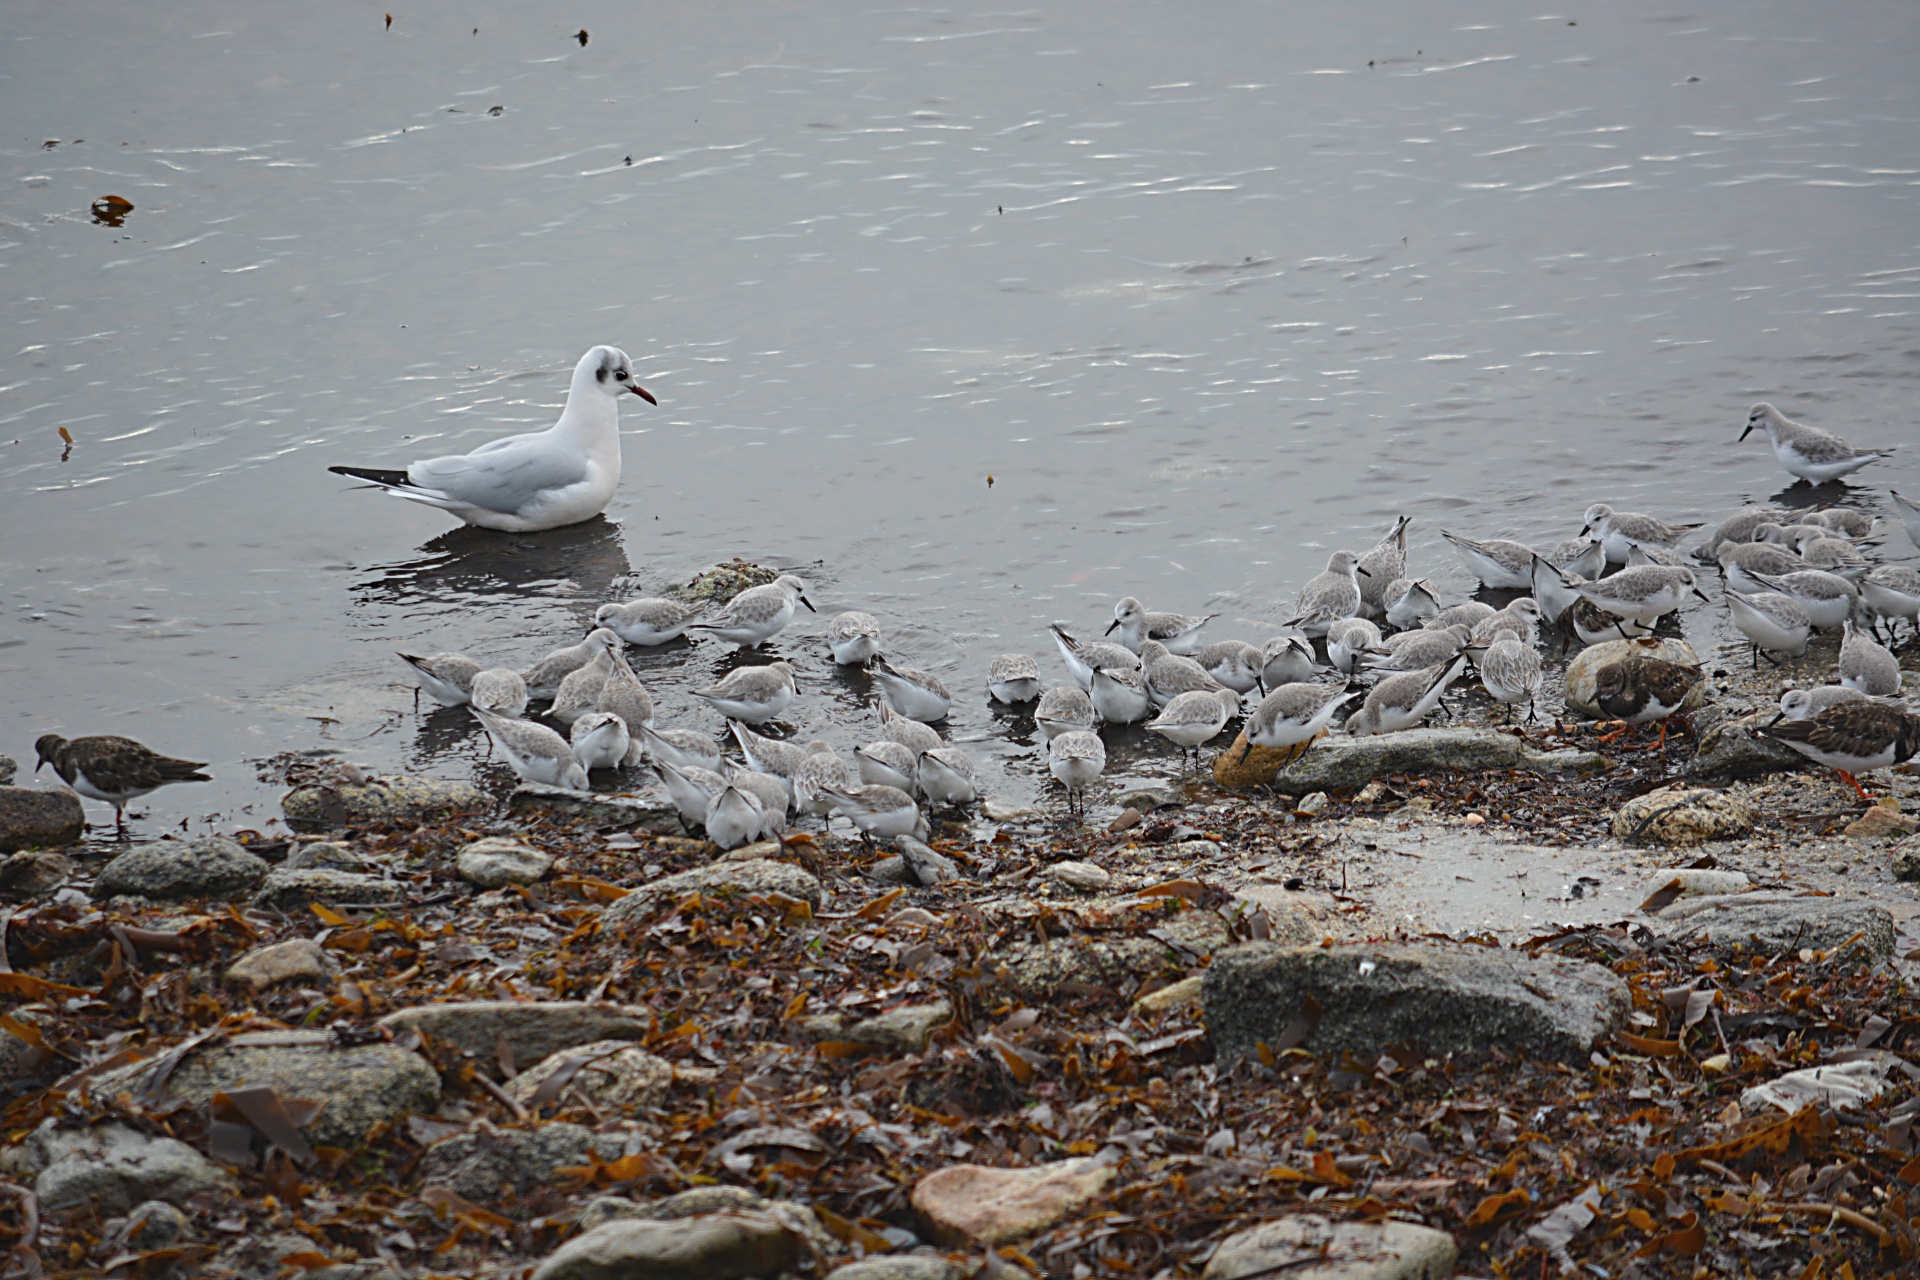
(1463, 1000)
(1308, 1247)
(748, 876)
(970, 1204)
(113, 1168)
(362, 1085)
(33, 871)
(533, 1029)
(1586, 665)
(650, 810)
(714, 1246)
(1770, 921)
(1679, 816)
(39, 818)
(1341, 761)
(405, 798)
(210, 867)
(498, 1166)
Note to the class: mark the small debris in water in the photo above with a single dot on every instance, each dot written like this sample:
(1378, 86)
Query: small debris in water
(581, 36)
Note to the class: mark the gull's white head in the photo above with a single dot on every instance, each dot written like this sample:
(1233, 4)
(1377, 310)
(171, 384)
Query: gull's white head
(609, 369)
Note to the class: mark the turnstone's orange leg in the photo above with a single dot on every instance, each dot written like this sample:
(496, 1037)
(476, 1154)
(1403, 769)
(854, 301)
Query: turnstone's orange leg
(1854, 783)
(1609, 737)
(1661, 741)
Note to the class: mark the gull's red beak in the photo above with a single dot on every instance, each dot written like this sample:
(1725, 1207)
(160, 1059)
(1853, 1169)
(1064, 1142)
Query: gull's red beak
(643, 393)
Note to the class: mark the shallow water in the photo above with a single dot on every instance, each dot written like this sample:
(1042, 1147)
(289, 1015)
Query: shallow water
(1206, 293)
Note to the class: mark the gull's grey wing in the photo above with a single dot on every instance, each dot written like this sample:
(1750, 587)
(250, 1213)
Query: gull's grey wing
(502, 475)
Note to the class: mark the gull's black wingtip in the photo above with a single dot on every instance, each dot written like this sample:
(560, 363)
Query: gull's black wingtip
(389, 478)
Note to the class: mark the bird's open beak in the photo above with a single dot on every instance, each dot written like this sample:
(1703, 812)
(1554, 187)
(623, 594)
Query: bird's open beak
(1110, 627)
(1744, 434)
(643, 393)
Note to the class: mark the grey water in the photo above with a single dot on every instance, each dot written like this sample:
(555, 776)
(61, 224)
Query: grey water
(979, 316)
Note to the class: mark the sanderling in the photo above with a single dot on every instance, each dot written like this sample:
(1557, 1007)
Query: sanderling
(1909, 516)
(1808, 452)
(1498, 562)
(500, 691)
(914, 693)
(1736, 528)
(691, 788)
(1853, 737)
(1893, 591)
(1596, 626)
(1844, 521)
(1771, 622)
(1012, 678)
(1120, 695)
(1286, 659)
(543, 677)
(1639, 689)
(535, 752)
(774, 794)
(1834, 554)
(1510, 672)
(539, 480)
(879, 811)
(1638, 555)
(1063, 709)
(1195, 717)
(1404, 701)
(1520, 619)
(1329, 597)
(759, 613)
(600, 740)
(1410, 602)
(626, 697)
(769, 755)
(1866, 664)
(1553, 589)
(1234, 663)
(821, 769)
(853, 637)
(1347, 639)
(1582, 556)
(1468, 614)
(1179, 632)
(1620, 530)
(734, 817)
(1805, 704)
(1418, 650)
(647, 621)
(906, 731)
(1294, 713)
(580, 690)
(1643, 594)
(1168, 675)
(945, 775)
(886, 764)
(113, 769)
(1747, 564)
(1380, 567)
(1077, 760)
(447, 677)
(753, 694)
(1085, 656)
(1828, 598)
(685, 748)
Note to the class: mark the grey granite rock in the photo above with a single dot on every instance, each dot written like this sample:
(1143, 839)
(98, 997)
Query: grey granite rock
(295, 960)
(616, 1076)
(292, 891)
(497, 861)
(533, 1029)
(687, 1204)
(39, 818)
(751, 876)
(1730, 751)
(1680, 816)
(114, 1168)
(1069, 960)
(1770, 921)
(404, 798)
(650, 810)
(1309, 1247)
(31, 872)
(210, 867)
(497, 1166)
(1339, 761)
(155, 1225)
(899, 1032)
(899, 1266)
(7, 767)
(716, 1246)
(1463, 1000)
(328, 855)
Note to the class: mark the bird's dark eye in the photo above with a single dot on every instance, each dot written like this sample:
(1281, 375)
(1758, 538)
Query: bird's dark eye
(622, 375)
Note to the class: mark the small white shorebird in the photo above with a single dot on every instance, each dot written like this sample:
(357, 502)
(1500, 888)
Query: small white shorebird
(886, 764)
(1553, 589)
(1771, 622)
(753, 694)
(1234, 663)
(1828, 598)
(1410, 602)
(905, 730)
(1084, 657)
(1180, 632)
(447, 677)
(1329, 596)
(759, 613)
(535, 752)
(686, 748)
(1497, 562)
(771, 756)
(853, 637)
(1866, 664)
(1809, 452)
(1520, 620)
(1418, 650)
(1404, 701)
(543, 677)
(1012, 678)
(1381, 567)
(1063, 709)
(1295, 713)
(1286, 659)
(1892, 591)
(945, 776)
(580, 690)
(540, 480)
(1077, 760)
(626, 697)
(1347, 639)
(691, 788)
(822, 768)
(1510, 673)
(1168, 675)
(600, 740)
(500, 691)
(1642, 595)
(1748, 565)
(879, 811)
(1805, 704)
(1195, 718)
(1620, 531)
(1909, 516)
(913, 693)
(1584, 556)
(647, 621)
(1120, 696)
(734, 817)
(771, 792)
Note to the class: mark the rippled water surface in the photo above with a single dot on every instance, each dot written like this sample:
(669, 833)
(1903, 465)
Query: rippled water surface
(984, 316)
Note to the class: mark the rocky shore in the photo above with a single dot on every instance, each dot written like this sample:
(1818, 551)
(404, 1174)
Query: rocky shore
(1467, 999)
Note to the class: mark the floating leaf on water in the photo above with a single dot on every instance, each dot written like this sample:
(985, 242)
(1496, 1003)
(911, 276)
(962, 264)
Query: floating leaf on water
(111, 211)
(581, 36)
(390, 22)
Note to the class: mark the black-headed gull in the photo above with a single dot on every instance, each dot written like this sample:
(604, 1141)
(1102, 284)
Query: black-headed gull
(540, 480)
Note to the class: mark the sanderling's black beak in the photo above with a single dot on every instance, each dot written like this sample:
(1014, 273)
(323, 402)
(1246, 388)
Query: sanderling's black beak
(1744, 434)
(809, 604)
(1362, 572)
(1703, 595)
(1110, 627)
